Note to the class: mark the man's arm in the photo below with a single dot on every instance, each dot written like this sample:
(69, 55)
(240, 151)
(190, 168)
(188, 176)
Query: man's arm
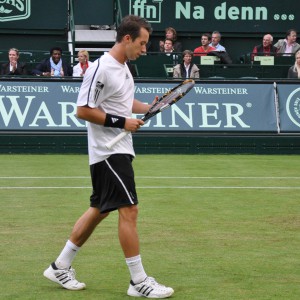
(139, 107)
(96, 116)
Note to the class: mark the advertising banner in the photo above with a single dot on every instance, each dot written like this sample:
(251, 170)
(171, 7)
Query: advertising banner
(226, 16)
(289, 107)
(51, 106)
(30, 14)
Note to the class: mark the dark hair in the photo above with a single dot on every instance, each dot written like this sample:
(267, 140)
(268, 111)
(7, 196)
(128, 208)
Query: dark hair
(132, 25)
(167, 39)
(207, 35)
(55, 48)
(289, 32)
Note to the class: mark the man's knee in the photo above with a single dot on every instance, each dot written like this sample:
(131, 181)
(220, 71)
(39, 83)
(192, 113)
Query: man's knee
(128, 213)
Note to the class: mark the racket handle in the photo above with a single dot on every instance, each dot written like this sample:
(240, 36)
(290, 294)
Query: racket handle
(115, 140)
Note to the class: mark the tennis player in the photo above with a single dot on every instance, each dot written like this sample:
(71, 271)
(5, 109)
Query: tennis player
(106, 101)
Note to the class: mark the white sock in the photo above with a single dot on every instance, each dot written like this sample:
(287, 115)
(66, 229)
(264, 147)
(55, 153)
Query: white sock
(67, 255)
(136, 269)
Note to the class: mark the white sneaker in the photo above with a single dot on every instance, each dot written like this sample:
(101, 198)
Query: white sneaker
(149, 288)
(64, 277)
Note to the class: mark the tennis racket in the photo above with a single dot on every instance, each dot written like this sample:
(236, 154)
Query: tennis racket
(161, 104)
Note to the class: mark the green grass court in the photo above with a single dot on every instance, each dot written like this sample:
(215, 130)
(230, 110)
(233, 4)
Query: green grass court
(211, 226)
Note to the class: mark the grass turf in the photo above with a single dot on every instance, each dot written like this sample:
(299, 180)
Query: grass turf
(211, 226)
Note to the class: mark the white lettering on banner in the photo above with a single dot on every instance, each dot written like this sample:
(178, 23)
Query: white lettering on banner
(169, 10)
(198, 13)
(220, 91)
(18, 4)
(41, 113)
(6, 116)
(208, 116)
(221, 12)
(230, 116)
(12, 10)
(65, 115)
(188, 119)
(150, 90)
(293, 107)
(23, 89)
(70, 89)
(243, 13)
(149, 9)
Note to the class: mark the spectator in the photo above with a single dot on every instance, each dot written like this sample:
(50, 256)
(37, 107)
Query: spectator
(294, 71)
(266, 48)
(170, 33)
(83, 63)
(54, 65)
(13, 67)
(289, 44)
(168, 50)
(186, 69)
(204, 48)
(215, 41)
(168, 46)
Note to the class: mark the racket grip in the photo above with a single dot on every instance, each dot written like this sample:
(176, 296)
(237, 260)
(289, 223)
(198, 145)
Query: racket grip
(115, 140)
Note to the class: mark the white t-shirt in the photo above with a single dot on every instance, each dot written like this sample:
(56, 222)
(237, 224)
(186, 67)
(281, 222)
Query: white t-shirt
(107, 85)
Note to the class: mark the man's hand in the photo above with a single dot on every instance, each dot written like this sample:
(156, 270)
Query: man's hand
(133, 124)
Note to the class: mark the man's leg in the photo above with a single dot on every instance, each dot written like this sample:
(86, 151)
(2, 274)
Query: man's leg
(128, 235)
(85, 226)
(140, 285)
(61, 271)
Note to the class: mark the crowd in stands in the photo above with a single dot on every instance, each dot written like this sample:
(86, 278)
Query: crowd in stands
(56, 66)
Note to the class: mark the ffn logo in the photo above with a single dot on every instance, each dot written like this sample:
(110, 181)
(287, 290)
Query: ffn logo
(14, 10)
(149, 9)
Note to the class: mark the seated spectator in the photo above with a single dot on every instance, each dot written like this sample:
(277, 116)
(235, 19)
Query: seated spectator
(168, 50)
(294, 71)
(170, 33)
(168, 46)
(204, 48)
(13, 67)
(54, 65)
(215, 41)
(83, 63)
(288, 45)
(266, 48)
(186, 69)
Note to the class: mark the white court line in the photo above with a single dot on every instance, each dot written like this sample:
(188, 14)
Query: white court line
(154, 177)
(155, 187)
(44, 177)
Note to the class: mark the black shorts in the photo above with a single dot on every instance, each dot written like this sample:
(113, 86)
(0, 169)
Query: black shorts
(113, 183)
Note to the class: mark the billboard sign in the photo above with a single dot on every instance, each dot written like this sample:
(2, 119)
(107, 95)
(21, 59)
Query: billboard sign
(14, 10)
(226, 16)
(51, 106)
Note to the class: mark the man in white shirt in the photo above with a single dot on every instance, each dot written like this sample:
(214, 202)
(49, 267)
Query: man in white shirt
(106, 101)
(215, 41)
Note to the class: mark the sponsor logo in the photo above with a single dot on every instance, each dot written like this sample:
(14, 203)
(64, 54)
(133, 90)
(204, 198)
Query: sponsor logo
(14, 10)
(149, 9)
(114, 120)
(98, 89)
(293, 107)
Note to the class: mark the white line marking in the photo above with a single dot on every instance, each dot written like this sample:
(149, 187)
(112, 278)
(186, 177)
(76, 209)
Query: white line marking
(42, 177)
(155, 177)
(157, 187)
